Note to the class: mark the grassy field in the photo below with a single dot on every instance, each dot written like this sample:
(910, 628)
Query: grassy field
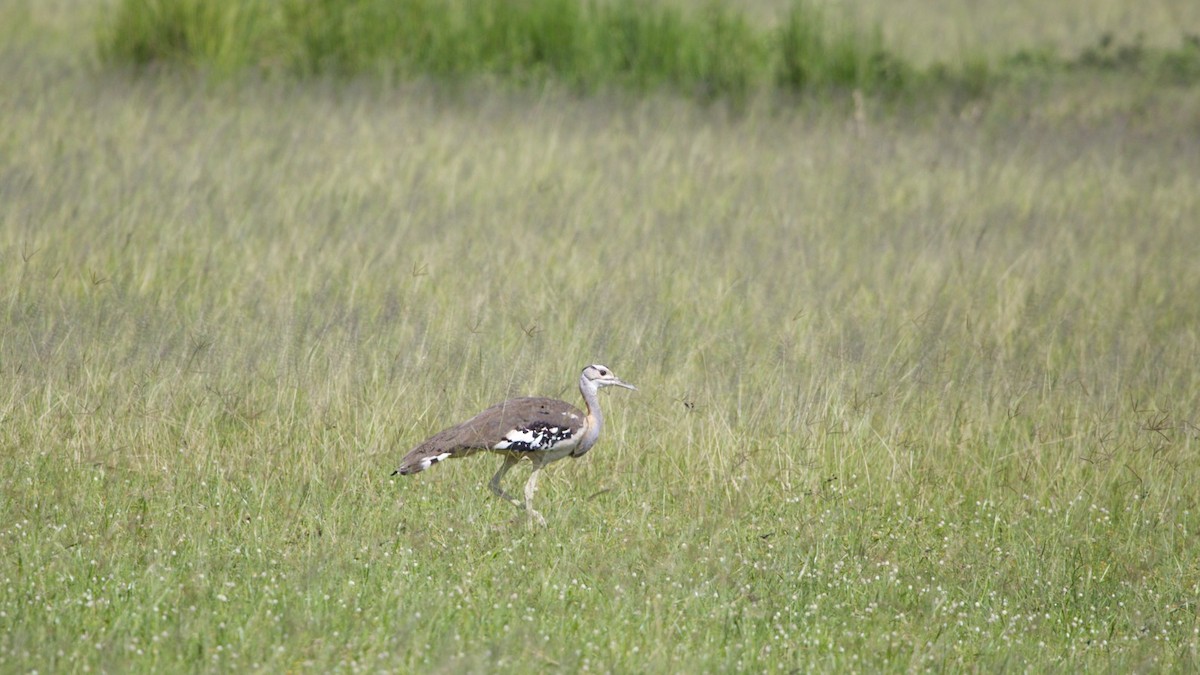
(717, 50)
(917, 383)
(934, 30)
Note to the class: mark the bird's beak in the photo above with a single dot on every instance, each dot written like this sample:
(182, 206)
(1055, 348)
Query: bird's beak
(619, 383)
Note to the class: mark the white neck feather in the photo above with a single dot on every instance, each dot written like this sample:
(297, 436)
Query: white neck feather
(594, 419)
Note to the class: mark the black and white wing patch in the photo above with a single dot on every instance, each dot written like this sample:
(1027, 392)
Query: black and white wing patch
(536, 436)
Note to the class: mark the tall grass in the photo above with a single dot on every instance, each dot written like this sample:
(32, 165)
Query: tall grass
(712, 51)
(817, 52)
(914, 393)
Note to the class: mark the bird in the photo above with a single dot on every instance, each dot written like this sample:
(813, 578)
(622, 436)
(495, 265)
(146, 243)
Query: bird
(543, 429)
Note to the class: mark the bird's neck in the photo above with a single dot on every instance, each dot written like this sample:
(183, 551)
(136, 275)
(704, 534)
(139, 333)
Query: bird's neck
(595, 418)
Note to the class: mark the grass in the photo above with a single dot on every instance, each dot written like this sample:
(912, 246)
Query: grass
(589, 45)
(711, 52)
(917, 391)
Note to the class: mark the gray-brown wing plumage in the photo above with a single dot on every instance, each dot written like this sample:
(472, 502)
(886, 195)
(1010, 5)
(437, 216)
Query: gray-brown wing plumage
(512, 427)
(543, 429)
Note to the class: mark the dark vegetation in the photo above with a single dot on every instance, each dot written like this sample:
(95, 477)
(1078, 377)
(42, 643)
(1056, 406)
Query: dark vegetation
(712, 52)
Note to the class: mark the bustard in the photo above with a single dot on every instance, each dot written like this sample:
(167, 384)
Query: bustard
(543, 429)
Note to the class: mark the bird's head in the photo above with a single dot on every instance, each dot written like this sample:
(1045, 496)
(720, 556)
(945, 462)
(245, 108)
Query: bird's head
(596, 376)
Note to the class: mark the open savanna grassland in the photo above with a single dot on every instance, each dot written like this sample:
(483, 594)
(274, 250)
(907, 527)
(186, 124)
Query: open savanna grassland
(937, 30)
(917, 382)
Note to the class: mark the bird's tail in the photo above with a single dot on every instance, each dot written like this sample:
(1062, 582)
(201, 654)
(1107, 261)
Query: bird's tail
(427, 454)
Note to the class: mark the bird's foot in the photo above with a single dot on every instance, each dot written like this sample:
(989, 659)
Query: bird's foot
(537, 518)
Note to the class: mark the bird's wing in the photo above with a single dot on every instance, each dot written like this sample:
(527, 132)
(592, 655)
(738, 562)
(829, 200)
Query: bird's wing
(525, 424)
(519, 424)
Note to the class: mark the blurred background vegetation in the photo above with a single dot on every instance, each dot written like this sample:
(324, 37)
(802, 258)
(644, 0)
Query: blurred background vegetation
(714, 49)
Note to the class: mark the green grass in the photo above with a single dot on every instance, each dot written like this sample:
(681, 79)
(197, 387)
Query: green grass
(588, 45)
(815, 52)
(713, 51)
(917, 391)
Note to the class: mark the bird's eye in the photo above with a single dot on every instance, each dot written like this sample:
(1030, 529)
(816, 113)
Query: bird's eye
(603, 372)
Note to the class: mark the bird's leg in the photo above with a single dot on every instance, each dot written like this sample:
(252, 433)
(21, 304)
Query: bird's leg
(494, 484)
(530, 488)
